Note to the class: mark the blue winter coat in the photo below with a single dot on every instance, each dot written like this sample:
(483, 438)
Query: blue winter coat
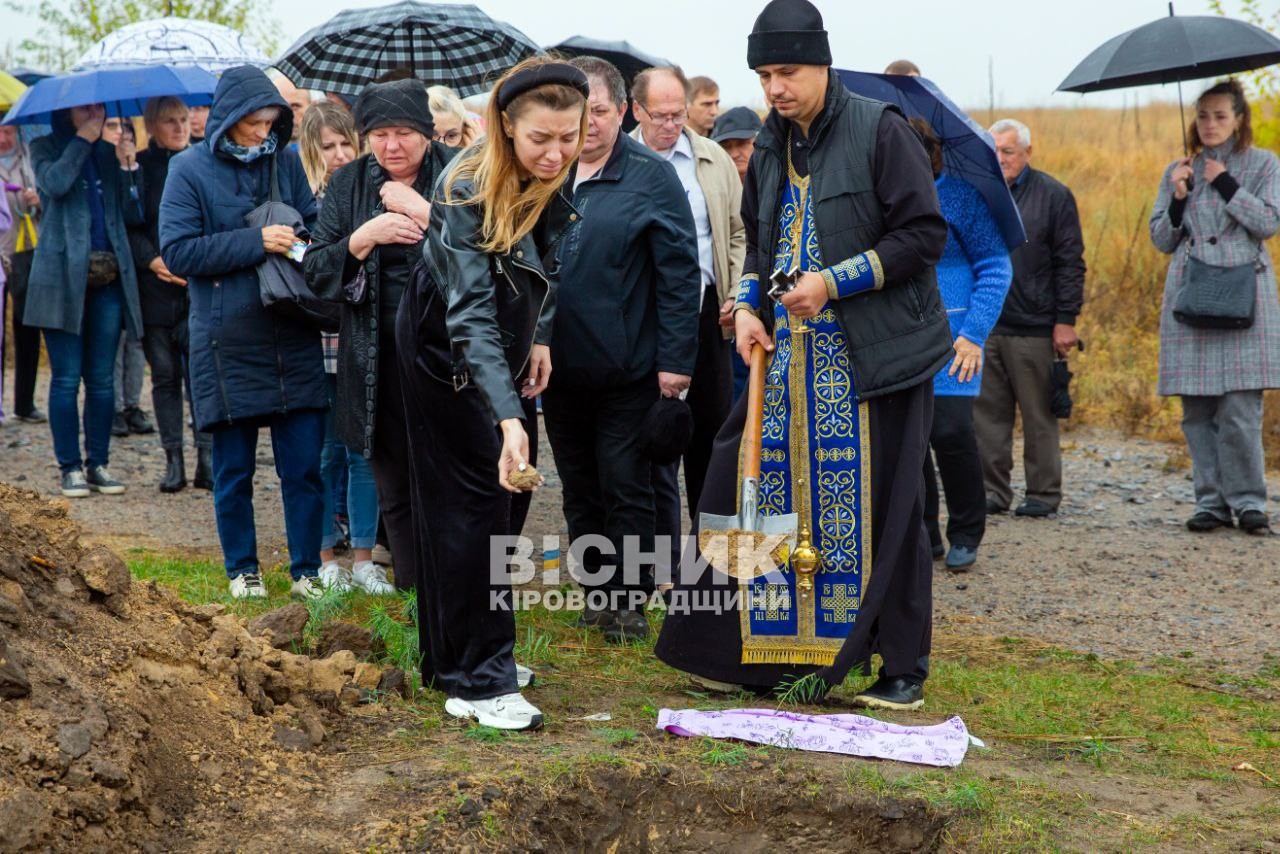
(246, 362)
(60, 266)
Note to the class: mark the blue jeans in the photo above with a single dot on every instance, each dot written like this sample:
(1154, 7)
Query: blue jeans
(296, 439)
(362, 495)
(91, 357)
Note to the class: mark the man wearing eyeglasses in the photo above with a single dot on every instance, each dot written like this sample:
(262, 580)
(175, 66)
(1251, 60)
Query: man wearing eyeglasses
(660, 98)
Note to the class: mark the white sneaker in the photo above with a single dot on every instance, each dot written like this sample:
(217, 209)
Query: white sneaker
(510, 711)
(248, 585)
(372, 579)
(306, 587)
(334, 576)
(524, 676)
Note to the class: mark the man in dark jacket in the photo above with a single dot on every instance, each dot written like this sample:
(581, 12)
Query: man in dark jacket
(250, 367)
(843, 230)
(625, 333)
(1036, 326)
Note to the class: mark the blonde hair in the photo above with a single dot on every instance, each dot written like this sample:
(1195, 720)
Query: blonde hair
(510, 211)
(321, 115)
(442, 99)
(159, 107)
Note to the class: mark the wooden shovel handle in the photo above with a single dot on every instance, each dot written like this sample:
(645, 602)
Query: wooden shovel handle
(754, 428)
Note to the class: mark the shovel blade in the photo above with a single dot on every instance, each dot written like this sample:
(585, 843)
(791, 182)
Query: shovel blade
(722, 551)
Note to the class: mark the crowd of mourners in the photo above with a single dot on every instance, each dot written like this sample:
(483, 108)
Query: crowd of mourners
(477, 277)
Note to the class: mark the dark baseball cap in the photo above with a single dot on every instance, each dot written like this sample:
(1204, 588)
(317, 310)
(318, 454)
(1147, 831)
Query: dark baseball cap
(738, 123)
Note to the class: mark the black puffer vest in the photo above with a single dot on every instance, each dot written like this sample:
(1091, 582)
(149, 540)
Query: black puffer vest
(898, 336)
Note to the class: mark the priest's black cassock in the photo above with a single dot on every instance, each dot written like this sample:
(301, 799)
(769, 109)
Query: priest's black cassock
(848, 404)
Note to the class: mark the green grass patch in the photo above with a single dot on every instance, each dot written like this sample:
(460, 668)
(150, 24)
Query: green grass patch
(1066, 716)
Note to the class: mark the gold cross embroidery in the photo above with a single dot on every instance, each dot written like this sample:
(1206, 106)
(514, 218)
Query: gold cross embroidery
(777, 602)
(833, 383)
(839, 601)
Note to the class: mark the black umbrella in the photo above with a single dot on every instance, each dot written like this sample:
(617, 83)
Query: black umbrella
(454, 45)
(1174, 49)
(30, 76)
(626, 57)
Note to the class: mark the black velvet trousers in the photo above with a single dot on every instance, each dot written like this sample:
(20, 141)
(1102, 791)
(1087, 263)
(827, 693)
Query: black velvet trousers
(466, 625)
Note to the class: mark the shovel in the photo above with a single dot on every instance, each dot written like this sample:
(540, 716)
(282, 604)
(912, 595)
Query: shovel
(735, 544)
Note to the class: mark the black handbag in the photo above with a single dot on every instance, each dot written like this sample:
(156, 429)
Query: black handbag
(104, 268)
(282, 286)
(1214, 297)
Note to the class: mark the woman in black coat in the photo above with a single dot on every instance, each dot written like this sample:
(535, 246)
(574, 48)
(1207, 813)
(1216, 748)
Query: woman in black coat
(370, 234)
(164, 298)
(473, 338)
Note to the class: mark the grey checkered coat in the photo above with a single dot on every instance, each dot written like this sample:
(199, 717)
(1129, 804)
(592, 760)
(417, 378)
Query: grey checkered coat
(1216, 361)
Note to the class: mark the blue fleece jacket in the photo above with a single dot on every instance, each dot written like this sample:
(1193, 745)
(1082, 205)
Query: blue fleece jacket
(973, 275)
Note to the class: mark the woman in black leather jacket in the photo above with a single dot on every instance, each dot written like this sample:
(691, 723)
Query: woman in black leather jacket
(472, 336)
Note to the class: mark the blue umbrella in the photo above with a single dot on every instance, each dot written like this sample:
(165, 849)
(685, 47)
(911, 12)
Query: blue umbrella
(967, 149)
(124, 91)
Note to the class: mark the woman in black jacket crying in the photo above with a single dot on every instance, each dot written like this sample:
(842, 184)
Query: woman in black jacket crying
(473, 336)
(369, 236)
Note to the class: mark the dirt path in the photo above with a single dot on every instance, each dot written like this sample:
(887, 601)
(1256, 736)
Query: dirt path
(1115, 573)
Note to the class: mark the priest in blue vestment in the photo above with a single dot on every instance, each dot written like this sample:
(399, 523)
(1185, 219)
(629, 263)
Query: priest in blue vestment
(843, 232)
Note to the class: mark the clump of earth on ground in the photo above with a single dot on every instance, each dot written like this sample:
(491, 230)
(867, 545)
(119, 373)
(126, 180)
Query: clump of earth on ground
(124, 711)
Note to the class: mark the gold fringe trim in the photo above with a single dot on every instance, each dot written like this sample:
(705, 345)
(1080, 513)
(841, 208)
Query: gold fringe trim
(811, 655)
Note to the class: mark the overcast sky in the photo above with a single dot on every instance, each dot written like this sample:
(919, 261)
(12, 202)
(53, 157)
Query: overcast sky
(1032, 44)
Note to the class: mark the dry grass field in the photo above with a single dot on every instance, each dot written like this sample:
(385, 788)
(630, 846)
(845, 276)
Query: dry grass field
(1112, 160)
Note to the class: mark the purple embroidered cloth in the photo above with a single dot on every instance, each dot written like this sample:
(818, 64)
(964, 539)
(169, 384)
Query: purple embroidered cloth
(942, 744)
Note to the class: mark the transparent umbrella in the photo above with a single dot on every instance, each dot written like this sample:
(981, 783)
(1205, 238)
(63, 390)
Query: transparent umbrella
(175, 42)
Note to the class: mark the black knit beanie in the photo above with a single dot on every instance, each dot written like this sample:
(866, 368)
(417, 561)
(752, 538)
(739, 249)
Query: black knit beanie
(399, 103)
(788, 32)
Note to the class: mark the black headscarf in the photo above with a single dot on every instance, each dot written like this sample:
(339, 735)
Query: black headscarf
(399, 103)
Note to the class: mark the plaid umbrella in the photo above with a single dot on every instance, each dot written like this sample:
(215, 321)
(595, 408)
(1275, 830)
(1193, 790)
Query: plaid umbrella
(457, 46)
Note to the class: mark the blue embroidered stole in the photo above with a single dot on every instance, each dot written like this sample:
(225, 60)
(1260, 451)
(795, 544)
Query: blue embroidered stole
(815, 461)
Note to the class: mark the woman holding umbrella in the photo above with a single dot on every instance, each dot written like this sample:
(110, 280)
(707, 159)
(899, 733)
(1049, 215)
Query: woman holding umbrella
(83, 288)
(473, 336)
(1214, 211)
(973, 278)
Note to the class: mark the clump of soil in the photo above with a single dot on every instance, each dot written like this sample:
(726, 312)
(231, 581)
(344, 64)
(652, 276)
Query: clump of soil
(735, 552)
(124, 711)
(525, 479)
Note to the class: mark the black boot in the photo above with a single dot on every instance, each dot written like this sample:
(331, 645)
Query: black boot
(175, 473)
(204, 469)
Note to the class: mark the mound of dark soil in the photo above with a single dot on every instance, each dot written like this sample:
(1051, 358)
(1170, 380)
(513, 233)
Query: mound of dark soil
(126, 714)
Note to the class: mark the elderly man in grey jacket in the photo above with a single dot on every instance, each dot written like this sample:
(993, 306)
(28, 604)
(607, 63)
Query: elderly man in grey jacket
(660, 104)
